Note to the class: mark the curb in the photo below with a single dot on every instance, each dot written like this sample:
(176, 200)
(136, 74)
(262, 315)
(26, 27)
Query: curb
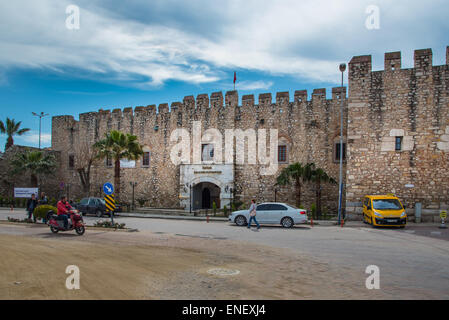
(153, 216)
(34, 225)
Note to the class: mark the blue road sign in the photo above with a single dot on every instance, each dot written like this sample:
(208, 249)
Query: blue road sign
(108, 188)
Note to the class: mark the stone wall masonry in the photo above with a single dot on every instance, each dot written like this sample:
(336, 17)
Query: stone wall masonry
(409, 103)
(308, 127)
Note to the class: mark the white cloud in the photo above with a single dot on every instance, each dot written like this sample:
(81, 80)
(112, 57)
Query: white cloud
(154, 42)
(254, 85)
(32, 138)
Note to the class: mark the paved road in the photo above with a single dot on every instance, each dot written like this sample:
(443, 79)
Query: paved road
(407, 259)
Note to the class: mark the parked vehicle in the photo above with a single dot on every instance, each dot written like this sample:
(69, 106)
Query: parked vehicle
(271, 213)
(92, 205)
(384, 210)
(75, 222)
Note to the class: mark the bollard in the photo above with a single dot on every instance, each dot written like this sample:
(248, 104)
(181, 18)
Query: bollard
(418, 207)
(311, 221)
(443, 216)
(207, 218)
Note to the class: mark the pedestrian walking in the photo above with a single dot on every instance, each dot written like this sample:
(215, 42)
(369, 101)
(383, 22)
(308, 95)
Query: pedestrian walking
(31, 205)
(252, 214)
(43, 201)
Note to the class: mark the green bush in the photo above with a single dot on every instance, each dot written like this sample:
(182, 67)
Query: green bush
(53, 202)
(214, 207)
(141, 202)
(313, 210)
(109, 224)
(325, 213)
(225, 211)
(41, 211)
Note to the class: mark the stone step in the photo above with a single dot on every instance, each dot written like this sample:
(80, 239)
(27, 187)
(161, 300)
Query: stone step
(165, 211)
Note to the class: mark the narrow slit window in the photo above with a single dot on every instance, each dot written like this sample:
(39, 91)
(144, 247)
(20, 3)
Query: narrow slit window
(337, 151)
(146, 159)
(71, 161)
(108, 162)
(282, 153)
(398, 144)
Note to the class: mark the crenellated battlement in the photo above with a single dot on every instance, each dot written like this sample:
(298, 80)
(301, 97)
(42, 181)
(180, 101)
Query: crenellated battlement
(204, 102)
(423, 59)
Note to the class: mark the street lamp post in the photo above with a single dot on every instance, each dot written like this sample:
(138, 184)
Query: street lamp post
(340, 191)
(40, 115)
(133, 185)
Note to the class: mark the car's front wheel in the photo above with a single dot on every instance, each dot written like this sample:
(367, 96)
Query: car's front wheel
(240, 221)
(99, 213)
(287, 222)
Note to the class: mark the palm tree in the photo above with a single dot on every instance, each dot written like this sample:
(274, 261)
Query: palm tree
(35, 163)
(318, 175)
(295, 172)
(11, 128)
(116, 146)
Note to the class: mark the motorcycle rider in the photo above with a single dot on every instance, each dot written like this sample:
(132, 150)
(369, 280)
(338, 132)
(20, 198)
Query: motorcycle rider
(63, 210)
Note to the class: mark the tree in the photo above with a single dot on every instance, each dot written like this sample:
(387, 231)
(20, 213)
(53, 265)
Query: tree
(85, 157)
(36, 163)
(116, 146)
(295, 172)
(11, 128)
(319, 176)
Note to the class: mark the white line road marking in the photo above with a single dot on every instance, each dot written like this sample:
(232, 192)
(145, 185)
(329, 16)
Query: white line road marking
(409, 231)
(435, 232)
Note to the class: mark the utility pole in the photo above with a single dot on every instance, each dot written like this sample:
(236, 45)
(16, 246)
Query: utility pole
(40, 115)
(340, 191)
(133, 185)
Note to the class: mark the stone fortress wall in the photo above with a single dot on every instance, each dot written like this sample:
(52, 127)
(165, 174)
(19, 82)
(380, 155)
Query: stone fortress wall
(308, 128)
(407, 104)
(382, 105)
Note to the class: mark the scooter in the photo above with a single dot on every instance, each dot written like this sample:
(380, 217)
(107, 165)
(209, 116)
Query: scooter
(75, 222)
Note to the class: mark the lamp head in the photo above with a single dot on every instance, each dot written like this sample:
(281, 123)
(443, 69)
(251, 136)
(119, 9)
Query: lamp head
(342, 67)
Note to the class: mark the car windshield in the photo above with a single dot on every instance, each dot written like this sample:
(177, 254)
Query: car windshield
(387, 204)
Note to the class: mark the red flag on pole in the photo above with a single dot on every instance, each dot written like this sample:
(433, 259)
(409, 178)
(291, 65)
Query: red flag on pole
(235, 78)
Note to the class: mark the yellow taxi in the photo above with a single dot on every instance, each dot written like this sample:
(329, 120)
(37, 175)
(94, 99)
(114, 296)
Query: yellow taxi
(384, 210)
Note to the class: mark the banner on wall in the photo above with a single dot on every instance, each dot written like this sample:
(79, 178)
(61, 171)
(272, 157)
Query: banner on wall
(25, 192)
(125, 163)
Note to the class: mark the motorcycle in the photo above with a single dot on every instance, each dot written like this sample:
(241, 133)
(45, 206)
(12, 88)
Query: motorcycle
(75, 222)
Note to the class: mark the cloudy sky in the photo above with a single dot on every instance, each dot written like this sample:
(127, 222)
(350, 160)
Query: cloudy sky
(145, 52)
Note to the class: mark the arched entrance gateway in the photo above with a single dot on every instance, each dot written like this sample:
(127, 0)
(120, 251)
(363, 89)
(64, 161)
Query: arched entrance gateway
(201, 185)
(204, 195)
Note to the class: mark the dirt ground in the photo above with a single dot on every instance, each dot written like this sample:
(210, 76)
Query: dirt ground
(144, 265)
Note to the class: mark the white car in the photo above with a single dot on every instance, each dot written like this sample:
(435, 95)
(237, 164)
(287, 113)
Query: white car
(271, 213)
